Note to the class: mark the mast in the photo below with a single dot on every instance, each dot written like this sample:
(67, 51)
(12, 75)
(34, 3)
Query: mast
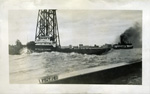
(47, 28)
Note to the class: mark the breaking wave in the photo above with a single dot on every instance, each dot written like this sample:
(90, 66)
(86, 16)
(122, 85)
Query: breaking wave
(29, 65)
(25, 51)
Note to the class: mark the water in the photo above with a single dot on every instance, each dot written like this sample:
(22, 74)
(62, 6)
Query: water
(29, 67)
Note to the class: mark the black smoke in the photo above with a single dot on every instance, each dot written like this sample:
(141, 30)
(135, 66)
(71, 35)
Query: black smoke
(133, 35)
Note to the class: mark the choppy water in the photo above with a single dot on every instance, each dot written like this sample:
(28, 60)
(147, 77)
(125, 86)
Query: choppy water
(27, 68)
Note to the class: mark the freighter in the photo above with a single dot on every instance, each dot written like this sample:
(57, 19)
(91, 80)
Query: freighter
(47, 36)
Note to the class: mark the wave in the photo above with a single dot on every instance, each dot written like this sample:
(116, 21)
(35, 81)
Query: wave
(25, 50)
(30, 65)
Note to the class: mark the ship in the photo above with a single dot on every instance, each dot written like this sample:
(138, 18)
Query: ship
(124, 43)
(47, 36)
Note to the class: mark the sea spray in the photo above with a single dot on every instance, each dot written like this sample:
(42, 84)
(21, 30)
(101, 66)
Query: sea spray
(25, 50)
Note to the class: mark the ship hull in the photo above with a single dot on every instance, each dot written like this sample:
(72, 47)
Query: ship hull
(96, 51)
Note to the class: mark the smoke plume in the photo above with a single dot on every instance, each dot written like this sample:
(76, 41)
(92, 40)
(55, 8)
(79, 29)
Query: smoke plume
(134, 35)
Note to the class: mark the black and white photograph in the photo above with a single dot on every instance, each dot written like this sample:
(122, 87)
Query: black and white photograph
(60, 46)
(74, 47)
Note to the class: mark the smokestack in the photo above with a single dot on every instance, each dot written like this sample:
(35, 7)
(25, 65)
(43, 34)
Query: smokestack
(132, 35)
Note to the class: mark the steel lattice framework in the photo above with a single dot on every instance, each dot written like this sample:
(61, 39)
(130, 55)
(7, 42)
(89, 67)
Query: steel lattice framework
(47, 26)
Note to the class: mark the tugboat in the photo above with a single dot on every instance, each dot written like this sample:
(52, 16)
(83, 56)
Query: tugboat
(47, 37)
(124, 43)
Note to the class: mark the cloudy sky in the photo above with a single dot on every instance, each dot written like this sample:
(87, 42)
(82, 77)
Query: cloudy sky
(88, 27)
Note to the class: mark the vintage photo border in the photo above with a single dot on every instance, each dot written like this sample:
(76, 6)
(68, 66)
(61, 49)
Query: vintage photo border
(7, 88)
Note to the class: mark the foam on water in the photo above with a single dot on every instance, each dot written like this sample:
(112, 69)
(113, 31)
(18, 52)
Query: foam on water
(26, 68)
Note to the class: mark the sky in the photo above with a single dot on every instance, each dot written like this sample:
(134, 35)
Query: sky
(86, 27)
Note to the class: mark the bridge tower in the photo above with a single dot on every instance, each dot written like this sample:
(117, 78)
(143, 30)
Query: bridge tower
(47, 34)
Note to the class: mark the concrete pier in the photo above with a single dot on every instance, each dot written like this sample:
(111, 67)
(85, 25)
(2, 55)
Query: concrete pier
(95, 75)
